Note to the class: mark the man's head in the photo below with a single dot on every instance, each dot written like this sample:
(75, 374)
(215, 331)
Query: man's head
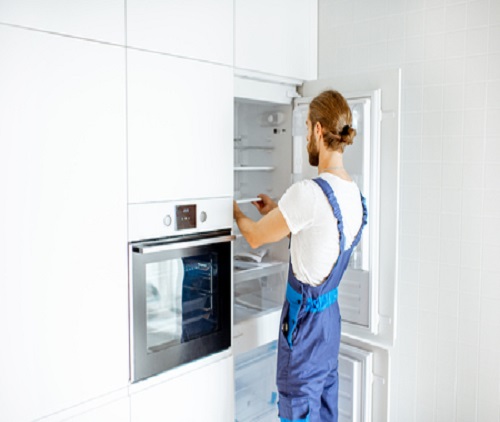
(329, 118)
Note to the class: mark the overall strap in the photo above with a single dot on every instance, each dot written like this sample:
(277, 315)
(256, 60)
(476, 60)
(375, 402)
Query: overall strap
(328, 191)
(363, 224)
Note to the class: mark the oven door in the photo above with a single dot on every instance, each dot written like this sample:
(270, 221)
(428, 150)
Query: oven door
(180, 301)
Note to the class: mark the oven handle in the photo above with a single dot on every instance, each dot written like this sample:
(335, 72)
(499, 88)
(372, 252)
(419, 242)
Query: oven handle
(145, 249)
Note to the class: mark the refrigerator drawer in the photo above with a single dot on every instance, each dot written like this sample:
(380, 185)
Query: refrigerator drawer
(255, 385)
(259, 291)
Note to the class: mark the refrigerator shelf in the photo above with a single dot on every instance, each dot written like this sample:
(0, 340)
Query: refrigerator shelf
(259, 289)
(254, 147)
(255, 301)
(243, 313)
(254, 168)
(245, 270)
(248, 200)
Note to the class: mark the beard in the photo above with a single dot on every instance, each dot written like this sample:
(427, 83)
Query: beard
(313, 153)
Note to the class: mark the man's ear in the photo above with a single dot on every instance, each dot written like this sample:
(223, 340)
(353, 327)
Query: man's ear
(318, 129)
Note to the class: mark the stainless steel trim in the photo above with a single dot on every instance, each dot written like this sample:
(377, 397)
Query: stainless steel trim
(160, 247)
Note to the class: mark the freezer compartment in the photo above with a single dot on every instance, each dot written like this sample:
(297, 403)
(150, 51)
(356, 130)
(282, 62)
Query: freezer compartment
(255, 385)
(257, 394)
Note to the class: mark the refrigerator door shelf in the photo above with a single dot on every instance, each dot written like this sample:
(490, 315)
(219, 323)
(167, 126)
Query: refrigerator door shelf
(356, 383)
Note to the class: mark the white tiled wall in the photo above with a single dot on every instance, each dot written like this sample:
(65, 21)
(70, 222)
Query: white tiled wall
(446, 364)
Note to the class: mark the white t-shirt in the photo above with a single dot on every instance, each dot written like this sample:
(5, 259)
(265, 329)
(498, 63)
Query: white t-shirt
(315, 242)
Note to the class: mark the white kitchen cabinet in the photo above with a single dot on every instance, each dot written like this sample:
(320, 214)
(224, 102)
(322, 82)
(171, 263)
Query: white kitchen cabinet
(190, 28)
(180, 128)
(117, 411)
(205, 394)
(64, 294)
(277, 37)
(92, 19)
(114, 407)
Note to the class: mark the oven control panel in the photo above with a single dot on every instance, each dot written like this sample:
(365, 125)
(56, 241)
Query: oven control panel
(172, 218)
(185, 217)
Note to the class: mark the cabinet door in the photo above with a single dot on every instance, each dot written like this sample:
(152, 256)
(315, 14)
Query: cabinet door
(118, 411)
(189, 28)
(93, 19)
(277, 37)
(105, 410)
(63, 295)
(205, 394)
(180, 128)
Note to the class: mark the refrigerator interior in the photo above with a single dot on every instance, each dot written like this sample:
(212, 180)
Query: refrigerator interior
(266, 157)
(262, 164)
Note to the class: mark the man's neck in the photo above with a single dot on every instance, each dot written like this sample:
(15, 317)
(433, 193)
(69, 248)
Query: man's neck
(332, 160)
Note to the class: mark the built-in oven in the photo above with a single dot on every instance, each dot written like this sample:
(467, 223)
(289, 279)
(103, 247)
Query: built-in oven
(180, 284)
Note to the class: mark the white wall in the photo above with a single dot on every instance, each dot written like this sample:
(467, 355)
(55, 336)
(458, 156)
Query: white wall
(446, 364)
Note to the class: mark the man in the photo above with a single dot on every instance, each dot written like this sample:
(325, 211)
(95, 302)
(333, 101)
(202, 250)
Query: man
(326, 217)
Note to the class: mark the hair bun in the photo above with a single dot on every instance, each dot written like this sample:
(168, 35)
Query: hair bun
(347, 134)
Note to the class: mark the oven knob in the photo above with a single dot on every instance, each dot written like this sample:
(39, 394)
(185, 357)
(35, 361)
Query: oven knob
(167, 220)
(203, 216)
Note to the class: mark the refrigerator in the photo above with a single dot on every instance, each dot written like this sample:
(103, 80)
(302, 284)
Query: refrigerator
(269, 155)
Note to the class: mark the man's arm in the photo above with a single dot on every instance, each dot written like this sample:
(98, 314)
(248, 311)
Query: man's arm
(270, 228)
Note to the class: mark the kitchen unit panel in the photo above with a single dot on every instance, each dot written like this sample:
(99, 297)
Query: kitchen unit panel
(193, 28)
(63, 296)
(180, 120)
(205, 394)
(117, 411)
(101, 410)
(96, 20)
(277, 37)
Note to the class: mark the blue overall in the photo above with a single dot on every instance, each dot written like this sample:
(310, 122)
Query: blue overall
(309, 340)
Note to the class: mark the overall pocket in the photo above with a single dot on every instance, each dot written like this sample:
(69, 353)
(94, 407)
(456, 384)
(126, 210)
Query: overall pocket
(294, 305)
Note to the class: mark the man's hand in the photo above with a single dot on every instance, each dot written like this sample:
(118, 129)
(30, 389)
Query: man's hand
(265, 205)
(270, 228)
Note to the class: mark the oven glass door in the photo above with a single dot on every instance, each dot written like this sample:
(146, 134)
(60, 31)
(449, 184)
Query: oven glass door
(181, 301)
